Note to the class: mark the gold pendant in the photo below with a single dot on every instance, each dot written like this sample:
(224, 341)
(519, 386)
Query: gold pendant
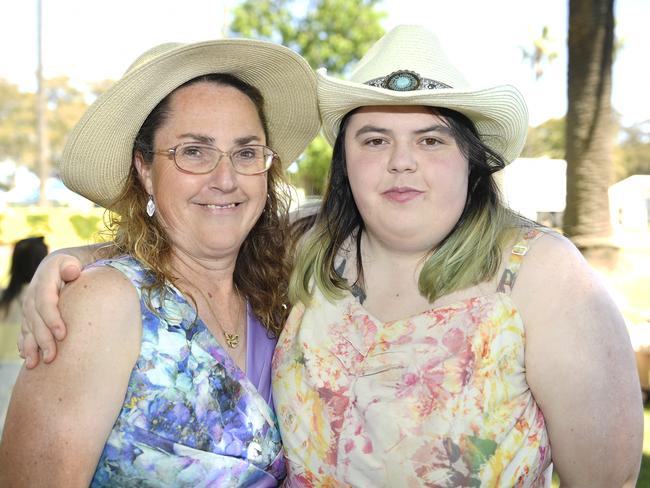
(232, 340)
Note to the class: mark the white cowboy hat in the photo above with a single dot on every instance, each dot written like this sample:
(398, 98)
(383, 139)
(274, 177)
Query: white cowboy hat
(408, 67)
(98, 152)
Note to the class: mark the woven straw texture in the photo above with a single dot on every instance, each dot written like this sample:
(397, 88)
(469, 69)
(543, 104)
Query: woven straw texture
(98, 152)
(499, 113)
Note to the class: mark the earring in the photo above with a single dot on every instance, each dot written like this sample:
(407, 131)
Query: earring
(151, 207)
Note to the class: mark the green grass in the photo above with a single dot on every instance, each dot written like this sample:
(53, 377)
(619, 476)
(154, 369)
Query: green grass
(644, 474)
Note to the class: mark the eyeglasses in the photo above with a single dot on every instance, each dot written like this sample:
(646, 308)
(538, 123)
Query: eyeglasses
(199, 159)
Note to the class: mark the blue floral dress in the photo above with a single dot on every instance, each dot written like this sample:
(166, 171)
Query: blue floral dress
(191, 417)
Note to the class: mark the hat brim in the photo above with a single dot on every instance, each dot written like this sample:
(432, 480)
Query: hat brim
(499, 113)
(98, 153)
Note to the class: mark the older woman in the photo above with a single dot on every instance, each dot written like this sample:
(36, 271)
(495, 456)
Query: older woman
(437, 338)
(164, 377)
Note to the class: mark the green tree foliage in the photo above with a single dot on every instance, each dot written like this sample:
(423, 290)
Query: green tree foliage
(542, 52)
(545, 140)
(632, 155)
(86, 226)
(65, 106)
(39, 224)
(328, 33)
(98, 87)
(18, 128)
(315, 166)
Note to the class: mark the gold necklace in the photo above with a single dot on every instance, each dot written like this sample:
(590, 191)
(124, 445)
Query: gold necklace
(232, 340)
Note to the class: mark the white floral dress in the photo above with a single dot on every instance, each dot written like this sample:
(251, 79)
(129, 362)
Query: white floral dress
(439, 399)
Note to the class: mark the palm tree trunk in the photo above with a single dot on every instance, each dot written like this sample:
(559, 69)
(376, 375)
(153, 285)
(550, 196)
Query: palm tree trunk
(589, 124)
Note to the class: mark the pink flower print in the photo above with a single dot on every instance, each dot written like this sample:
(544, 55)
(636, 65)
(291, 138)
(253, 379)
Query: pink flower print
(460, 363)
(440, 316)
(397, 332)
(336, 403)
(352, 338)
(367, 447)
(411, 379)
(349, 445)
(430, 341)
(404, 339)
(454, 339)
(423, 386)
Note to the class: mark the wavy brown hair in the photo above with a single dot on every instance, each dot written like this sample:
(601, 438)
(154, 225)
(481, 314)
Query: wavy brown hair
(262, 268)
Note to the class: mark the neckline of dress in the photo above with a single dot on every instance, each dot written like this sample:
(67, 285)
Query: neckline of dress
(451, 306)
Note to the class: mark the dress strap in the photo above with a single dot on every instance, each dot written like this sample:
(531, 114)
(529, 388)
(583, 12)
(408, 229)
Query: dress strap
(519, 250)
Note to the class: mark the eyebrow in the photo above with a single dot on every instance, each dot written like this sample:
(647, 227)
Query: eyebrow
(240, 141)
(370, 128)
(433, 128)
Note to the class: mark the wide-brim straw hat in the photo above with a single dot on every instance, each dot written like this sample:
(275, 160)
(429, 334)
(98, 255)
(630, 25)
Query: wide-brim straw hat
(408, 66)
(98, 153)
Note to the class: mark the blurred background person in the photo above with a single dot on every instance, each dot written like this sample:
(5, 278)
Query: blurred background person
(27, 255)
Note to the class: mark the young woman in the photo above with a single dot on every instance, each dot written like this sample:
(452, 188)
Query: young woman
(437, 338)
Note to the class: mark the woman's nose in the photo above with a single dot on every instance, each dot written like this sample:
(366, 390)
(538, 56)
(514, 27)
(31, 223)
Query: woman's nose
(402, 159)
(224, 176)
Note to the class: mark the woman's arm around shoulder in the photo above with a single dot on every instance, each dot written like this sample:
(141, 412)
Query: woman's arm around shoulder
(42, 319)
(580, 367)
(61, 414)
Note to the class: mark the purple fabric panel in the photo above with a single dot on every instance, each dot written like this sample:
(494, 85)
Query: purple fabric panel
(259, 355)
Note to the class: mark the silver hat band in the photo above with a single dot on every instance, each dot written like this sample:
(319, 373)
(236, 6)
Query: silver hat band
(405, 80)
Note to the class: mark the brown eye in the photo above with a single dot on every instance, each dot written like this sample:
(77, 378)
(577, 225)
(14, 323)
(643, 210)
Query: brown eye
(430, 141)
(192, 152)
(375, 142)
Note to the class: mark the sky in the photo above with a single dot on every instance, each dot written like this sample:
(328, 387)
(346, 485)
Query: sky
(91, 40)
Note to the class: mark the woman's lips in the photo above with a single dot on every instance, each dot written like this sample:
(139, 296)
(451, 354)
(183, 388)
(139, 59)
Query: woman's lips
(401, 194)
(220, 208)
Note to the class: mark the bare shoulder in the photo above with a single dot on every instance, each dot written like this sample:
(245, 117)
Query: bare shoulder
(97, 289)
(562, 300)
(100, 279)
(579, 366)
(101, 306)
(553, 254)
(555, 272)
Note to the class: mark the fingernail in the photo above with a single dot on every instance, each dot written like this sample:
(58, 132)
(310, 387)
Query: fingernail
(46, 352)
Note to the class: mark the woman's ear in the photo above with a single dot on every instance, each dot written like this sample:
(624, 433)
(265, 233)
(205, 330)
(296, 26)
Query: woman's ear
(144, 172)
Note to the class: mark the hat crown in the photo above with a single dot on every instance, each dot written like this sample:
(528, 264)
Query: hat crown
(412, 48)
(151, 54)
(99, 150)
(409, 67)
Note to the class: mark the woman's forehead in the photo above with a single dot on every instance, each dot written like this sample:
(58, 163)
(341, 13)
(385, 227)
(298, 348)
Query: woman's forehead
(394, 116)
